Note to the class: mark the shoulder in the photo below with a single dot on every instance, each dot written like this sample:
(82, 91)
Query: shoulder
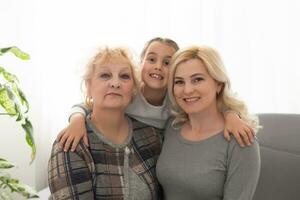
(247, 152)
(81, 149)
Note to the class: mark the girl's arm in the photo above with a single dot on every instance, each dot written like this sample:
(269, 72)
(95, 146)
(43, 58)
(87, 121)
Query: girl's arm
(234, 125)
(72, 134)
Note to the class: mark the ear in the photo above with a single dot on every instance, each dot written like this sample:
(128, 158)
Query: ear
(219, 87)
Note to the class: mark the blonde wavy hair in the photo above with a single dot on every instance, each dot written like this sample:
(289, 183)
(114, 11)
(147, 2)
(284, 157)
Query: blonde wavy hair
(226, 99)
(106, 54)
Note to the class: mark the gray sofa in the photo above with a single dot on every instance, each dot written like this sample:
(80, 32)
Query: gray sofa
(280, 157)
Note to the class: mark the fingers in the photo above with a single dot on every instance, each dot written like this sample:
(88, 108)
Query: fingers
(75, 143)
(60, 134)
(245, 138)
(226, 135)
(62, 140)
(238, 139)
(68, 144)
(250, 133)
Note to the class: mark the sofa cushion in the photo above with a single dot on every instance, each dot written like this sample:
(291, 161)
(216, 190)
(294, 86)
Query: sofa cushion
(280, 157)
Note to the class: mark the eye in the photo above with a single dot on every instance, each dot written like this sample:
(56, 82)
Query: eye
(151, 59)
(104, 76)
(197, 79)
(178, 82)
(125, 76)
(166, 63)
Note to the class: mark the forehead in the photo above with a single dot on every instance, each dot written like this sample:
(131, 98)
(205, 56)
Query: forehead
(160, 48)
(115, 64)
(190, 67)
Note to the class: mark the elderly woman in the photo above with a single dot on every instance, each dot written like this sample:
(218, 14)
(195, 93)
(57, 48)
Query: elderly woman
(120, 161)
(196, 161)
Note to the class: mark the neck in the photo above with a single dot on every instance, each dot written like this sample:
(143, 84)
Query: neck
(154, 96)
(112, 124)
(206, 122)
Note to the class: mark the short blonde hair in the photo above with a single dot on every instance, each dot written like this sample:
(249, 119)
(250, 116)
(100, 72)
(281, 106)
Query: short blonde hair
(215, 67)
(106, 54)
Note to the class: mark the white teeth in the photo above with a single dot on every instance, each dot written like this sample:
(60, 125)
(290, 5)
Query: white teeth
(191, 99)
(157, 76)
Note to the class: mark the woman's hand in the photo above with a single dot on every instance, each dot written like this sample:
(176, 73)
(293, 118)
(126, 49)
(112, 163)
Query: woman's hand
(242, 132)
(72, 134)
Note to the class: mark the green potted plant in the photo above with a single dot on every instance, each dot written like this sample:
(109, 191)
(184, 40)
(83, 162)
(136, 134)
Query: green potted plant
(13, 103)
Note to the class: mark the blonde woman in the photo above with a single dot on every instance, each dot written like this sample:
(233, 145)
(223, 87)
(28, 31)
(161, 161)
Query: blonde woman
(120, 161)
(196, 161)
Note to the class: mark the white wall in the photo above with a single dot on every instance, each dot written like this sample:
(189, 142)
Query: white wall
(17, 27)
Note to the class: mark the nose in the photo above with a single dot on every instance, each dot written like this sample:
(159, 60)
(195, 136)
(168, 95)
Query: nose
(159, 66)
(115, 83)
(188, 89)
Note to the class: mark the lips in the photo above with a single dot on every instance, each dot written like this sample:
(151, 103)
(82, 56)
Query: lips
(191, 99)
(113, 94)
(156, 76)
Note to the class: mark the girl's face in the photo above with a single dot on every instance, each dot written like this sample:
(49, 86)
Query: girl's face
(111, 85)
(155, 65)
(194, 89)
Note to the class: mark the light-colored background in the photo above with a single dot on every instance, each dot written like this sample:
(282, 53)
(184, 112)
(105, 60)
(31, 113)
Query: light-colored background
(258, 40)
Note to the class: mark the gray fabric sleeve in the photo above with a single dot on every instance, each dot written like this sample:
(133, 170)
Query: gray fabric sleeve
(243, 171)
(79, 108)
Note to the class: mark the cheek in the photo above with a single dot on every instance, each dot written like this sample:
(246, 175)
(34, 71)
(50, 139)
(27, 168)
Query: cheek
(128, 88)
(167, 73)
(97, 88)
(177, 92)
(144, 72)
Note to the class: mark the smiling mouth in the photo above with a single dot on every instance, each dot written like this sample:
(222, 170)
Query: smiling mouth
(191, 99)
(156, 76)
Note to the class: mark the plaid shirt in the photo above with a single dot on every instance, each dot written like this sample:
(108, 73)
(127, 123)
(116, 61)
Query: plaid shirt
(97, 172)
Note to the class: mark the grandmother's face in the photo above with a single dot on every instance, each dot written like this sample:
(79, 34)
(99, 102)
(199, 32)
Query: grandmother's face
(111, 85)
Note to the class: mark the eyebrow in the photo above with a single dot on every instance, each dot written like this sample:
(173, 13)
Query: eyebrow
(105, 68)
(192, 76)
(153, 53)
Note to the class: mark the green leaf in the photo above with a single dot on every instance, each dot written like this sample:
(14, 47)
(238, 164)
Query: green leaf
(4, 164)
(24, 190)
(16, 51)
(5, 196)
(21, 96)
(7, 102)
(19, 112)
(8, 76)
(15, 186)
(27, 126)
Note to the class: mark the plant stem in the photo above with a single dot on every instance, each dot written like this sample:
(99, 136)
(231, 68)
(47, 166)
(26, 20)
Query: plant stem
(6, 114)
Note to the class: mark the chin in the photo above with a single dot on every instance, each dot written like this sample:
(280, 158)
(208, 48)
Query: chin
(156, 86)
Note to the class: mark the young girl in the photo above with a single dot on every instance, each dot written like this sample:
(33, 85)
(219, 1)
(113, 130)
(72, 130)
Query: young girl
(150, 104)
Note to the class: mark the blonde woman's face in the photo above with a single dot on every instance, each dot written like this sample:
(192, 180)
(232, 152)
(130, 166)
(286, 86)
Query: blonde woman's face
(112, 85)
(194, 89)
(155, 65)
